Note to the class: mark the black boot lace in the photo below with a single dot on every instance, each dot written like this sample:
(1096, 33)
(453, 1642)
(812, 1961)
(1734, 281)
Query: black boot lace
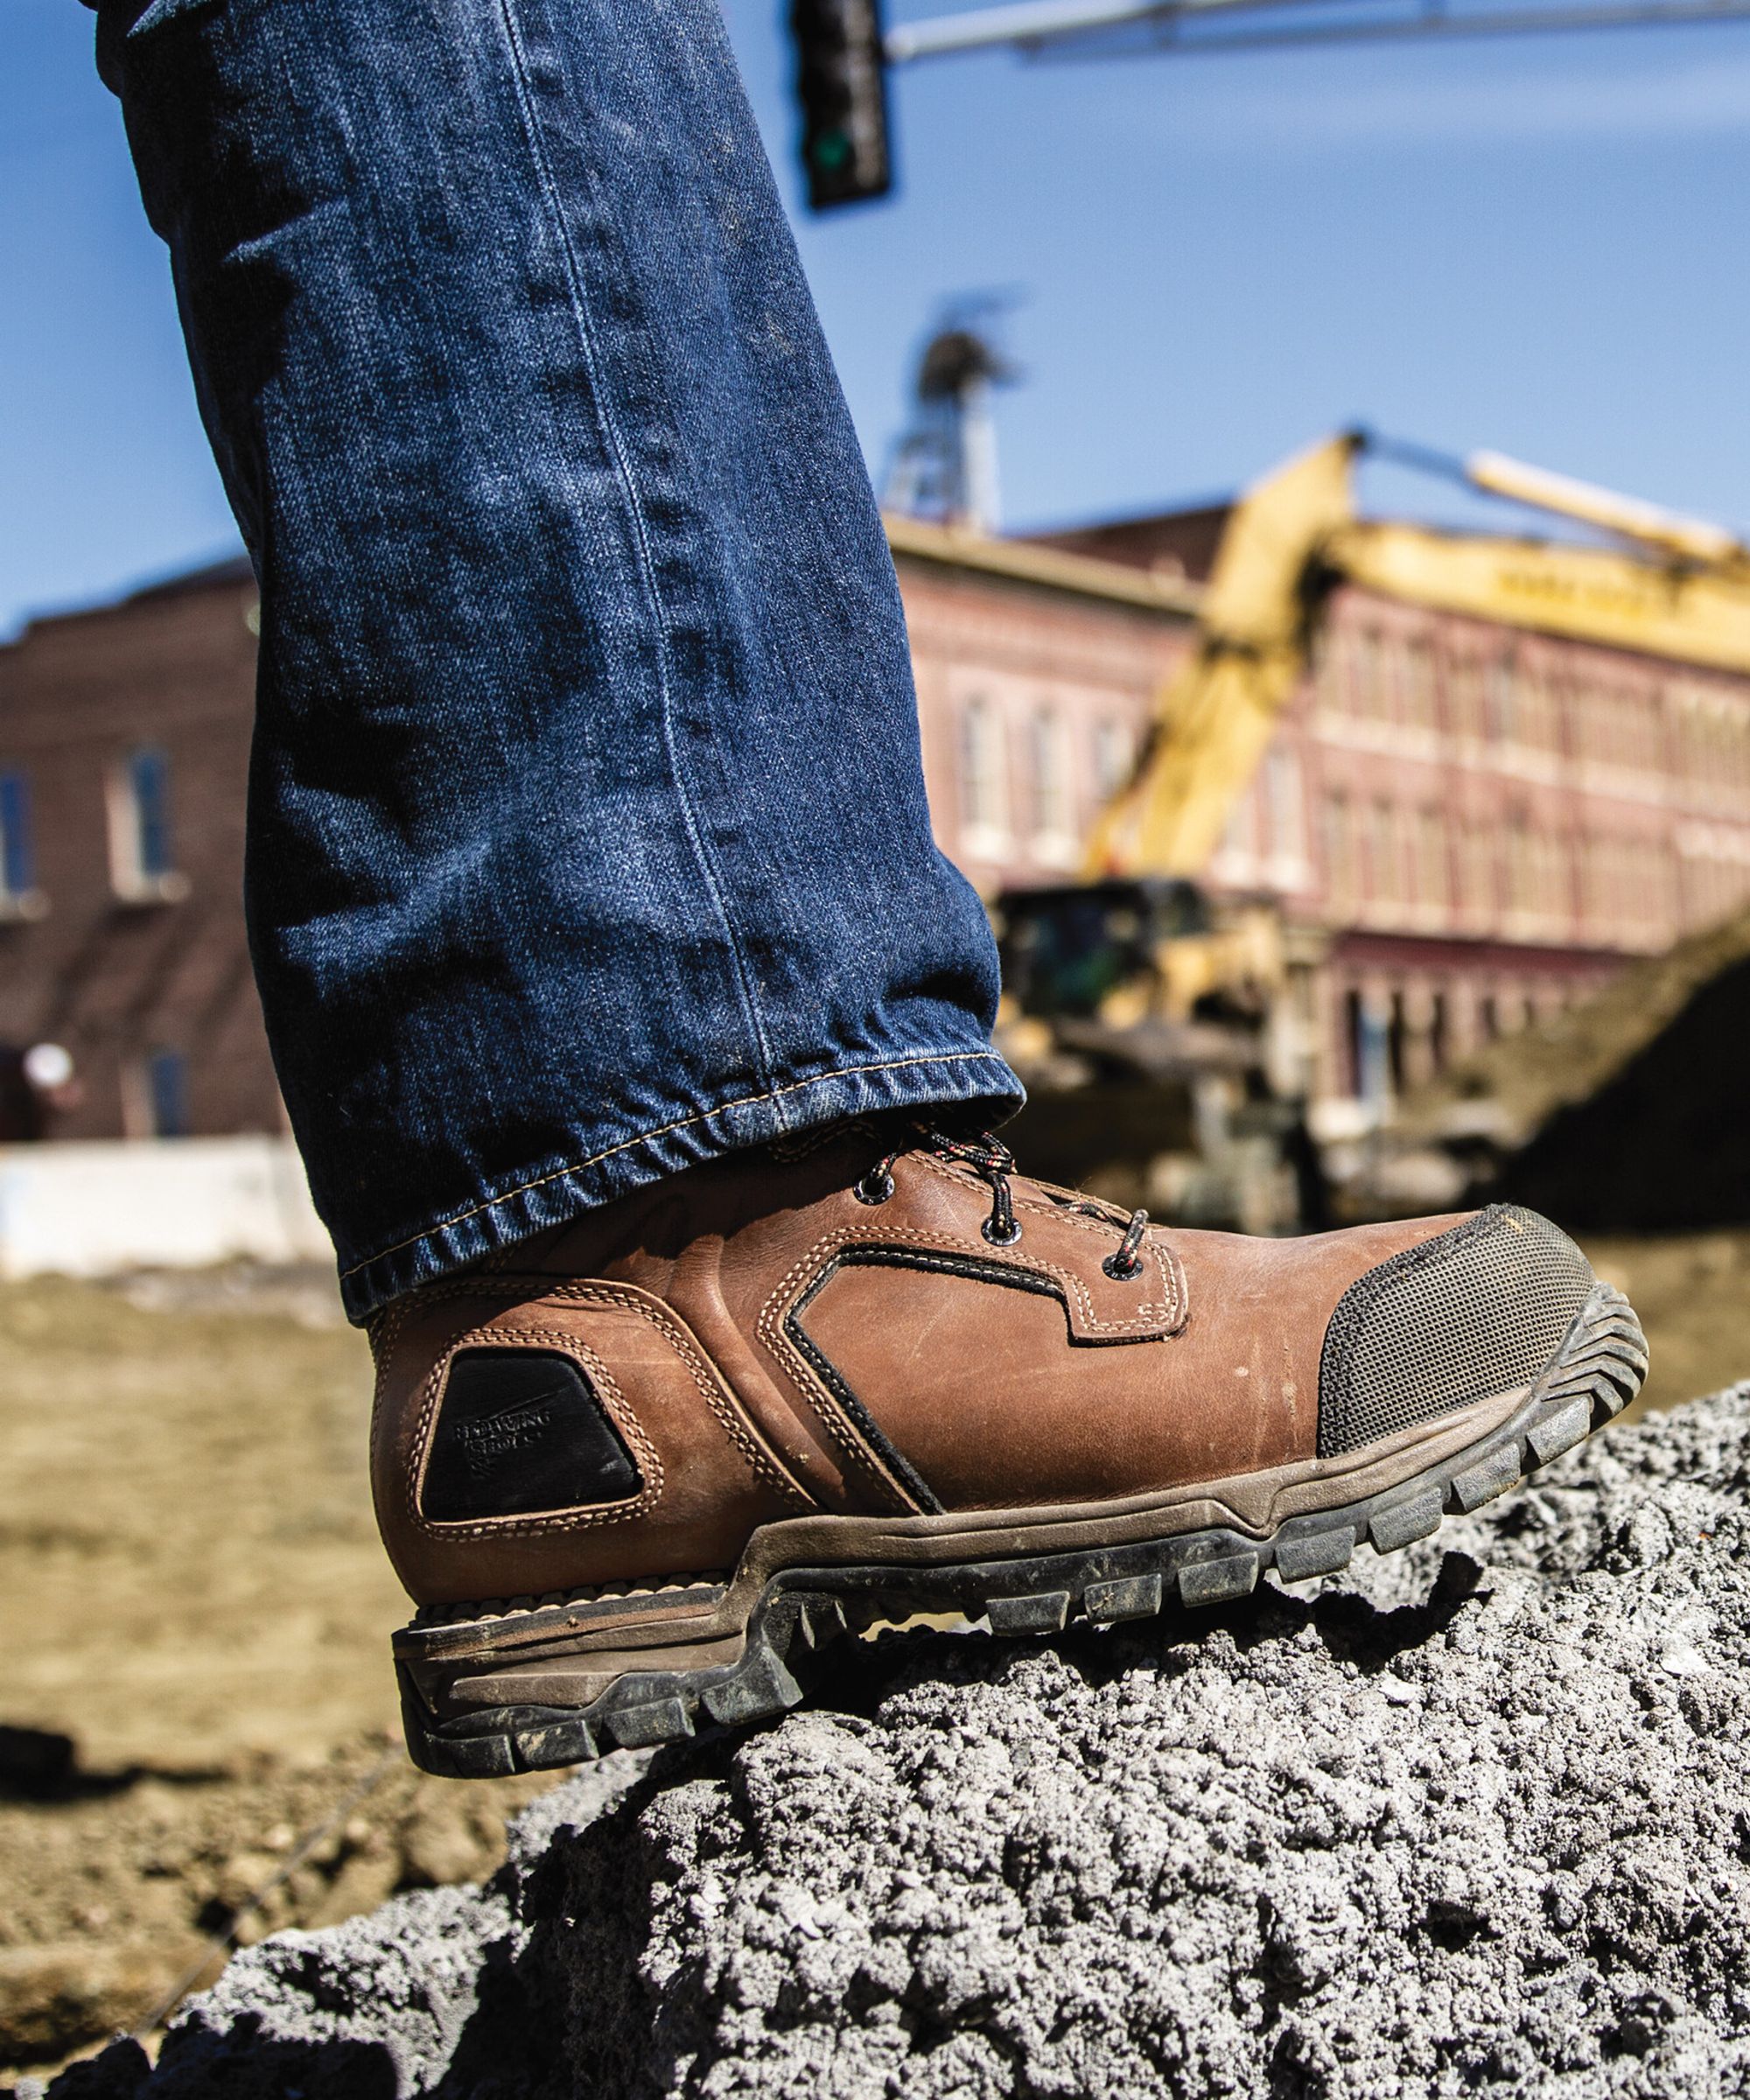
(993, 1163)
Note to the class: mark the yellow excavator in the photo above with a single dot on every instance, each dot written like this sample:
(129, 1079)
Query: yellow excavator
(1131, 976)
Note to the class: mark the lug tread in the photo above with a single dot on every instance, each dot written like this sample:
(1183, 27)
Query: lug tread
(1314, 1553)
(479, 1757)
(1489, 1477)
(650, 1722)
(760, 1689)
(1216, 1581)
(1045, 1612)
(1403, 1523)
(567, 1742)
(820, 1620)
(1558, 1433)
(1129, 1597)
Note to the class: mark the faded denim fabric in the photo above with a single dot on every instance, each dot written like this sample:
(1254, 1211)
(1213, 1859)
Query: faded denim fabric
(587, 831)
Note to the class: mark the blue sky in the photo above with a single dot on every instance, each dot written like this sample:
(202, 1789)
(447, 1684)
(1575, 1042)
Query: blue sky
(1536, 246)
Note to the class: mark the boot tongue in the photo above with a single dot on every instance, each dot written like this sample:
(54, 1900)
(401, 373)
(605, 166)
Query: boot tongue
(802, 1145)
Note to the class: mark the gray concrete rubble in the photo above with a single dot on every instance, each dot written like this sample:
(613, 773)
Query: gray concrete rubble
(1476, 1818)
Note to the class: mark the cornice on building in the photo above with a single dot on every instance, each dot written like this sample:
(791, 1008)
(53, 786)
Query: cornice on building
(1044, 568)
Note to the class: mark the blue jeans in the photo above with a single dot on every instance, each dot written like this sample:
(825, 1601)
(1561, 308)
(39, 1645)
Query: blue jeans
(587, 830)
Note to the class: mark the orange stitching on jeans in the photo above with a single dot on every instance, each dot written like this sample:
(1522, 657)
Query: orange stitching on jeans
(747, 1101)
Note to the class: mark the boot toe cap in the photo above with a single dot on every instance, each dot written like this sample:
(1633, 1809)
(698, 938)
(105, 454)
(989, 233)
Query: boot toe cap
(1479, 1309)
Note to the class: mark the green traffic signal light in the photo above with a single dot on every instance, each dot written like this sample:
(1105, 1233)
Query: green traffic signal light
(841, 86)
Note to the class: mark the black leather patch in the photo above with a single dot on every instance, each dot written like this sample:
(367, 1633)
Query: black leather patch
(520, 1431)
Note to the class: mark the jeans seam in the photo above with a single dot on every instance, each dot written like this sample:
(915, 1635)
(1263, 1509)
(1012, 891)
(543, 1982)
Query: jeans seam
(663, 1129)
(615, 442)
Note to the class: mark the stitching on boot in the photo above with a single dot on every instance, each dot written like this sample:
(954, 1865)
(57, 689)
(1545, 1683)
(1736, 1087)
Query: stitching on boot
(723, 1404)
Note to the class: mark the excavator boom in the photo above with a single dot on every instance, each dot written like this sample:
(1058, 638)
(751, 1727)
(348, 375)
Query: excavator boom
(1628, 517)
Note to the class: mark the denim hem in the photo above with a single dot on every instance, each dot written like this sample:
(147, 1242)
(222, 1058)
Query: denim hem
(561, 1194)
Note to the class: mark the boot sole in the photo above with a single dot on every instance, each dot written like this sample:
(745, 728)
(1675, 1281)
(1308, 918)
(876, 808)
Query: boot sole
(535, 1684)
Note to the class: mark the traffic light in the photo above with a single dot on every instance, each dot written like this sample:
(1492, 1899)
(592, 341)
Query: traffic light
(842, 84)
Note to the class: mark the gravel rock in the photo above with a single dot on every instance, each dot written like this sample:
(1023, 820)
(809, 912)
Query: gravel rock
(1473, 1817)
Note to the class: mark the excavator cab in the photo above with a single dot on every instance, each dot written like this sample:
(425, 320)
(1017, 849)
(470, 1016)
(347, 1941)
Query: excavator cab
(1068, 951)
(1138, 1015)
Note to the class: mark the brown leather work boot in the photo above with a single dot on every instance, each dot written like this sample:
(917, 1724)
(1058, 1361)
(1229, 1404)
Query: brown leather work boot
(633, 1471)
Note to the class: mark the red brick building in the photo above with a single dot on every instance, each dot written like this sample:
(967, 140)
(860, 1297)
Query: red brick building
(1473, 823)
(124, 744)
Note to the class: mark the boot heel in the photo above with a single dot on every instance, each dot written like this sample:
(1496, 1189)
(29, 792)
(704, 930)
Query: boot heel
(550, 1682)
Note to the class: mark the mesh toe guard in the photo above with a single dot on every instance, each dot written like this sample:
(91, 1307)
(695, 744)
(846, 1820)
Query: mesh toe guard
(1477, 1311)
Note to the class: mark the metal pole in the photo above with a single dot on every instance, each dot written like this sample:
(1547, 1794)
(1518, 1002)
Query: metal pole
(1023, 22)
(1036, 25)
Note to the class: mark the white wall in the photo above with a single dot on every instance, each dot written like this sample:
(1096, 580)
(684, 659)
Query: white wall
(91, 1209)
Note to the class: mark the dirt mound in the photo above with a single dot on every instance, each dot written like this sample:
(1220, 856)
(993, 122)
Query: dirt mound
(1526, 1079)
(1663, 1143)
(1619, 1116)
(1486, 1826)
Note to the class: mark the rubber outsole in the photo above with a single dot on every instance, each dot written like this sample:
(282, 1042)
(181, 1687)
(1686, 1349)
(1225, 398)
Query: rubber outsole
(1596, 1370)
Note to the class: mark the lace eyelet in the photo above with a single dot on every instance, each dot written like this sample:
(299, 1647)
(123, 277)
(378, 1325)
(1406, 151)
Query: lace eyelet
(866, 1192)
(1120, 1270)
(1001, 1239)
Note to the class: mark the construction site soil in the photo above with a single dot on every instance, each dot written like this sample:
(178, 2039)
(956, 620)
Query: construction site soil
(1476, 1814)
(1620, 1114)
(196, 1668)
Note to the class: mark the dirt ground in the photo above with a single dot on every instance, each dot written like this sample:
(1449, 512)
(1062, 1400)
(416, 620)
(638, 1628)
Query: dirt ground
(196, 1599)
(1692, 1291)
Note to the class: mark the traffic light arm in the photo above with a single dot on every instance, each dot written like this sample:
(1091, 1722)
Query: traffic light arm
(844, 51)
(1038, 27)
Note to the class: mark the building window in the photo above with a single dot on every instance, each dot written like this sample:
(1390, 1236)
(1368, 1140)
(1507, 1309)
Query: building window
(1367, 1044)
(1054, 801)
(1397, 1043)
(1422, 707)
(1538, 713)
(1432, 885)
(1238, 851)
(1501, 725)
(1367, 681)
(1466, 695)
(142, 860)
(984, 783)
(19, 896)
(156, 1101)
(1339, 850)
(1384, 881)
(1114, 755)
(1285, 810)
(1522, 877)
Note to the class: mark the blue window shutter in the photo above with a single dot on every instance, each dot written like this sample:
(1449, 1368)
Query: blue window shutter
(149, 777)
(17, 849)
(167, 1090)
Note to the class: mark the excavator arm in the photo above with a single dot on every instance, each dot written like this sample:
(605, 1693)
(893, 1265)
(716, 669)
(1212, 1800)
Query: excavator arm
(1218, 712)
(1677, 588)
(1670, 609)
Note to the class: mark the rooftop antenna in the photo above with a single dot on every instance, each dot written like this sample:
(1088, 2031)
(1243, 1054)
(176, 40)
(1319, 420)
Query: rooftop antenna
(945, 464)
